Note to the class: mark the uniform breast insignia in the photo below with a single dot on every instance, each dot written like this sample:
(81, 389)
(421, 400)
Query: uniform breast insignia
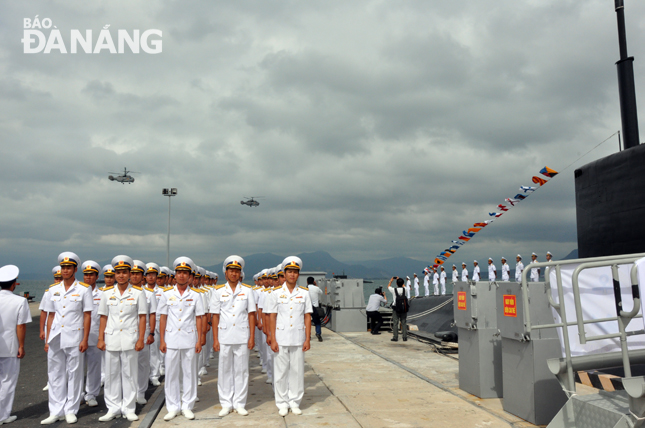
(189, 300)
(172, 299)
(112, 298)
(225, 295)
(241, 294)
(84, 284)
(282, 296)
(76, 295)
(130, 298)
(298, 297)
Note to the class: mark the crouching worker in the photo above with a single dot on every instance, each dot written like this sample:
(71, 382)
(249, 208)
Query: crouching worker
(290, 332)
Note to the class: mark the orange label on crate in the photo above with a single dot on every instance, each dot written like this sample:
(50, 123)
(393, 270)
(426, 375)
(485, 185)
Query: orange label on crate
(510, 305)
(461, 300)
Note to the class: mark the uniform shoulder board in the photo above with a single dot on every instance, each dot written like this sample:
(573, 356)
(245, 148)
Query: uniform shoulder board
(84, 284)
(196, 290)
(167, 289)
(136, 287)
(304, 288)
(220, 286)
(107, 288)
(152, 290)
(247, 286)
(53, 285)
(47, 290)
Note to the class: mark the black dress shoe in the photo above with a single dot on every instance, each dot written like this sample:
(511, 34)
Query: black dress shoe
(376, 333)
(394, 340)
(405, 339)
(319, 337)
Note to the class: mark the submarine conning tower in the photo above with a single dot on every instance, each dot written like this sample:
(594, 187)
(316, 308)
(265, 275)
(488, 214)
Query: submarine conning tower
(610, 209)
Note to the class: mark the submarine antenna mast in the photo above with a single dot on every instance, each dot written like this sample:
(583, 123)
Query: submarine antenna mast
(626, 87)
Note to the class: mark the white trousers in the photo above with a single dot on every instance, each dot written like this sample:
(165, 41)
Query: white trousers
(65, 372)
(233, 375)
(181, 375)
(94, 360)
(209, 345)
(443, 288)
(416, 291)
(121, 374)
(270, 356)
(262, 348)
(289, 376)
(143, 371)
(156, 357)
(427, 287)
(436, 289)
(9, 370)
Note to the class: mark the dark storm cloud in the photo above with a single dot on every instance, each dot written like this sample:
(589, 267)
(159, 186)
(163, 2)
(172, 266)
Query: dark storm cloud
(372, 129)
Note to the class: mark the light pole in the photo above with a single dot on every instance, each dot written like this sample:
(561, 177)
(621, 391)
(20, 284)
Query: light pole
(170, 193)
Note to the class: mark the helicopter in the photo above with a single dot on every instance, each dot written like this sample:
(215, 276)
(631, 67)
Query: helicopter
(251, 201)
(124, 178)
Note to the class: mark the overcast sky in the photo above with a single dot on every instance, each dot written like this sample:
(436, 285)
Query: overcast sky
(374, 129)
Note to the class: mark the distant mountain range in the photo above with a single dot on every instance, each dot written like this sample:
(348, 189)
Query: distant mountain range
(322, 261)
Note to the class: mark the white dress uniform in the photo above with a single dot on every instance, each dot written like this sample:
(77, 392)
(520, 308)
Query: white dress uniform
(435, 283)
(65, 362)
(442, 281)
(202, 357)
(492, 272)
(233, 333)
(455, 275)
(182, 311)
(144, 355)
(416, 286)
(407, 288)
(464, 274)
(94, 354)
(156, 358)
(476, 273)
(14, 311)
(289, 361)
(506, 272)
(519, 267)
(268, 353)
(426, 283)
(121, 335)
(535, 272)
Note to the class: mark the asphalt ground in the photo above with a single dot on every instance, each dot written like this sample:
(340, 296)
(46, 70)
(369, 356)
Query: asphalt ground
(31, 402)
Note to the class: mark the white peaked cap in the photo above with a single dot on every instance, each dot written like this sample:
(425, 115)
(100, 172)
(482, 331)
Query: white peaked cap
(292, 262)
(108, 270)
(122, 261)
(182, 263)
(152, 268)
(68, 258)
(90, 266)
(233, 262)
(138, 266)
(56, 271)
(9, 273)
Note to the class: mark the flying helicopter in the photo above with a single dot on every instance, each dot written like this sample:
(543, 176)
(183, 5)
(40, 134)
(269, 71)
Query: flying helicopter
(123, 178)
(251, 201)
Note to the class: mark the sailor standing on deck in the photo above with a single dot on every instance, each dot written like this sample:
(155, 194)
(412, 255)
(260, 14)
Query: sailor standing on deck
(464, 272)
(233, 309)
(156, 358)
(68, 330)
(290, 309)
(315, 294)
(93, 355)
(416, 285)
(535, 272)
(14, 314)
(475, 271)
(519, 267)
(407, 287)
(122, 332)
(549, 256)
(455, 274)
(180, 310)
(426, 282)
(58, 277)
(435, 282)
(492, 270)
(506, 270)
(151, 270)
(110, 280)
(442, 280)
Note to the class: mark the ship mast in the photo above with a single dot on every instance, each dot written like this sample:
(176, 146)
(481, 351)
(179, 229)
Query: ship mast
(626, 87)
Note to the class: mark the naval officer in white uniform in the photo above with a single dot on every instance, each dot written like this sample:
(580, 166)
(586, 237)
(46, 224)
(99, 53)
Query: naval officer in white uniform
(535, 272)
(14, 314)
(435, 282)
(476, 271)
(506, 270)
(426, 282)
(233, 316)
(492, 270)
(416, 285)
(464, 272)
(149, 270)
(58, 277)
(93, 356)
(290, 313)
(180, 312)
(455, 274)
(442, 280)
(123, 311)
(68, 329)
(519, 267)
